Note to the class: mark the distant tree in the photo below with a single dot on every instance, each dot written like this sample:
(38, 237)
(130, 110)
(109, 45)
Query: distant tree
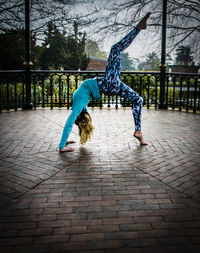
(150, 63)
(126, 62)
(12, 48)
(184, 55)
(109, 17)
(153, 60)
(183, 20)
(93, 50)
(54, 55)
(81, 38)
(66, 52)
(76, 49)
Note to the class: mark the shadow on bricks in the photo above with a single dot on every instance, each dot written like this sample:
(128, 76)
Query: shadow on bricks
(111, 195)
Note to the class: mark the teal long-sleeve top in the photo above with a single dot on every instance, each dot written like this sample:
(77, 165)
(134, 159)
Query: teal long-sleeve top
(81, 97)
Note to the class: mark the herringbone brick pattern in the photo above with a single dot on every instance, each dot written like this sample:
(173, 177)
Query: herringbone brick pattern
(111, 195)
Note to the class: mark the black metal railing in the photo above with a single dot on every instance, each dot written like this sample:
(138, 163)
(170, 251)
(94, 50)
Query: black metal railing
(183, 91)
(56, 88)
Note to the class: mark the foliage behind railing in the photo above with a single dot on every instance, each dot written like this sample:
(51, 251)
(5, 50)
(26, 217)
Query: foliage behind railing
(56, 88)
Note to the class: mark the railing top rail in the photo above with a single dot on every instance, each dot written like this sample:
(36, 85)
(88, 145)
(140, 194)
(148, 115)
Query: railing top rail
(66, 71)
(183, 74)
(90, 71)
(97, 72)
(12, 71)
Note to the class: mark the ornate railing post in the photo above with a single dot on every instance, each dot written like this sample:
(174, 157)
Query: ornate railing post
(163, 104)
(27, 64)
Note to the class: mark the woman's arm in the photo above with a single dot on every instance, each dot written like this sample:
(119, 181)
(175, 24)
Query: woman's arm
(69, 124)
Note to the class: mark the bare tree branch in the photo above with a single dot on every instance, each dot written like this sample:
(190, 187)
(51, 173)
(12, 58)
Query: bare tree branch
(108, 17)
(182, 15)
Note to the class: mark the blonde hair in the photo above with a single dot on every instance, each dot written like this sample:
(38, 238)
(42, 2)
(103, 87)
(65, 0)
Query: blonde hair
(85, 127)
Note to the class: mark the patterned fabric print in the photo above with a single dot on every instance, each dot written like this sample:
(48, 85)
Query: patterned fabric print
(111, 84)
(129, 94)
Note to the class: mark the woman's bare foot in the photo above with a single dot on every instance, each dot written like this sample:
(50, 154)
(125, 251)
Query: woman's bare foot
(66, 149)
(138, 135)
(70, 142)
(143, 23)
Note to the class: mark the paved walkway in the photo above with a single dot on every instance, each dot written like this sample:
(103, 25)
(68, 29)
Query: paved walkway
(111, 195)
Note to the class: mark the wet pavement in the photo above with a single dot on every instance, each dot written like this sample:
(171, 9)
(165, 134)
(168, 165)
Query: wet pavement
(111, 195)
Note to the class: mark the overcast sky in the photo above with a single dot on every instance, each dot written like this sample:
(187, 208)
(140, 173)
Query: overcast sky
(144, 43)
(148, 40)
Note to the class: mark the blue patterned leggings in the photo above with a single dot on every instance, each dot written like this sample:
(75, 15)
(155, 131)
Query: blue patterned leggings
(111, 84)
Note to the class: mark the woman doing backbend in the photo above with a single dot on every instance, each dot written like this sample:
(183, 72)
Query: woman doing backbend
(109, 84)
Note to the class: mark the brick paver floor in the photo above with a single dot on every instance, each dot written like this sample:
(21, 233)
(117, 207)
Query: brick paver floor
(111, 195)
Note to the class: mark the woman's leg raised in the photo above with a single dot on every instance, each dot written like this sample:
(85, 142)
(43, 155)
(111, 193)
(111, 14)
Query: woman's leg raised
(129, 94)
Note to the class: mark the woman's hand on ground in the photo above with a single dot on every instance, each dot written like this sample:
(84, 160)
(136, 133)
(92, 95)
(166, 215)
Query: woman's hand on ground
(70, 142)
(66, 149)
